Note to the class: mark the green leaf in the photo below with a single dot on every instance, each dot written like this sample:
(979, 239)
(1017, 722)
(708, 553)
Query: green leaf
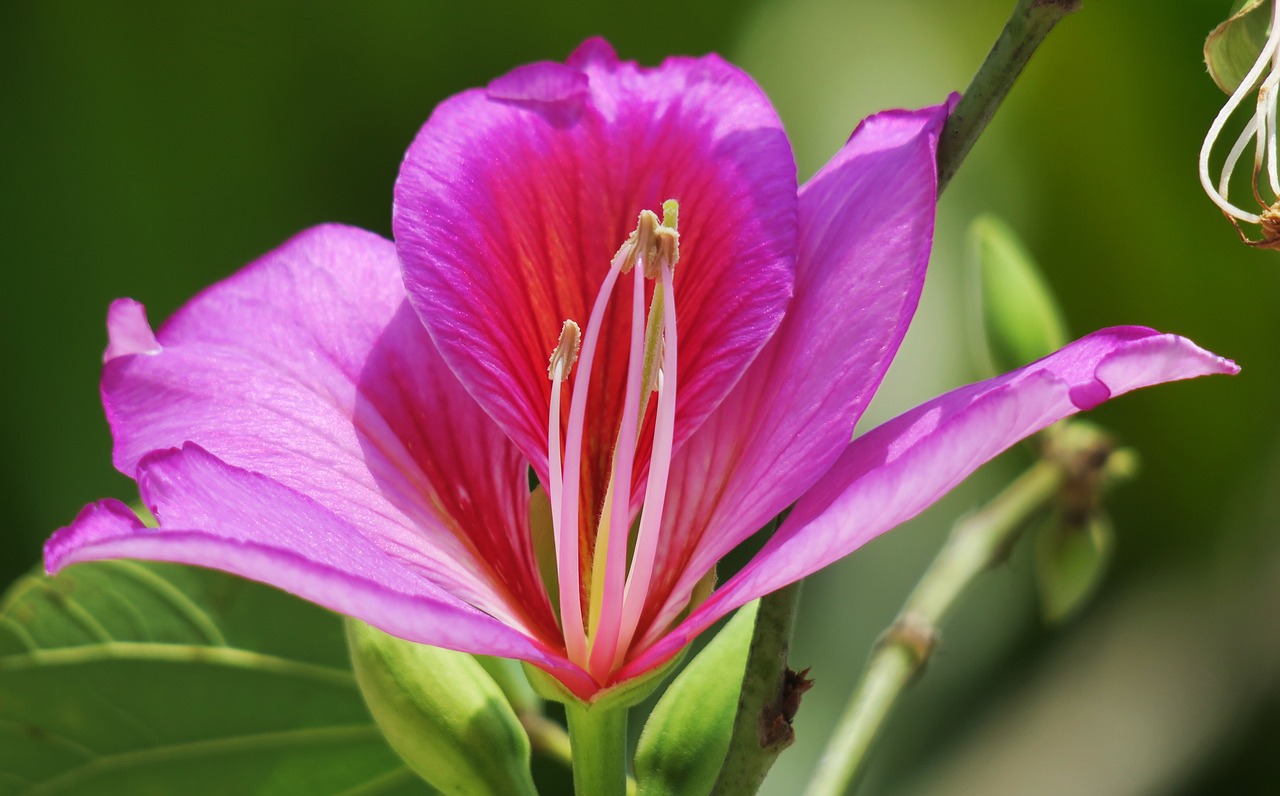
(1071, 559)
(1021, 321)
(686, 738)
(1232, 48)
(129, 678)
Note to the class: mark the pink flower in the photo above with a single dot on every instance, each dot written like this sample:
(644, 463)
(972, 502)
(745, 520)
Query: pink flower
(353, 421)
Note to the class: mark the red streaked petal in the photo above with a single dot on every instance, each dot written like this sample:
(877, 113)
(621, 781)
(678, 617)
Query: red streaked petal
(866, 228)
(513, 200)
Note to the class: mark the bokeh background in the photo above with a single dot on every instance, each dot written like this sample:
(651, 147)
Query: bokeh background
(150, 148)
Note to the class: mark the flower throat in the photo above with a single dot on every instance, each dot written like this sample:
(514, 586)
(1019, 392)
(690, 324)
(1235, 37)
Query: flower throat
(614, 590)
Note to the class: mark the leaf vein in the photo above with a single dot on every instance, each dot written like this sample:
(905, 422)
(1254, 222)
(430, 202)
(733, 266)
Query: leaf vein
(176, 653)
(196, 616)
(285, 739)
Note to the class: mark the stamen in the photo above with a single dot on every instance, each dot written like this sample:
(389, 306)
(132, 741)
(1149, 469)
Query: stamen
(611, 539)
(562, 360)
(615, 599)
(568, 569)
(655, 495)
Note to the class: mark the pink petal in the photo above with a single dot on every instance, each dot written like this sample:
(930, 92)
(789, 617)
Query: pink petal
(128, 331)
(513, 200)
(897, 470)
(309, 367)
(224, 518)
(866, 227)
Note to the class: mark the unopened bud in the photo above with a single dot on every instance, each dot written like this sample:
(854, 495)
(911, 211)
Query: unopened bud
(442, 713)
(1020, 319)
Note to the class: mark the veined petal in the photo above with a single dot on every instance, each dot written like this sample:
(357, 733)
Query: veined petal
(309, 367)
(513, 200)
(866, 228)
(221, 517)
(895, 471)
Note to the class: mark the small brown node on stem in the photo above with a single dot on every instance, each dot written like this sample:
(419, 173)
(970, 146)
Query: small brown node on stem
(776, 731)
(913, 634)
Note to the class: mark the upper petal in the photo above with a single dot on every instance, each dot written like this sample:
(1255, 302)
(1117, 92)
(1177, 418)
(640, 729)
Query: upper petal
(866, 229)
(512, 201)
(308, 366)
(898, 469)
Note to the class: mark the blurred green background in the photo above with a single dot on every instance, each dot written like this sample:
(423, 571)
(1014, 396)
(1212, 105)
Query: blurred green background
(151, 148)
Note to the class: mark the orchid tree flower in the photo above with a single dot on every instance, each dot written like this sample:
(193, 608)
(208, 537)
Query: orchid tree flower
(604, 278)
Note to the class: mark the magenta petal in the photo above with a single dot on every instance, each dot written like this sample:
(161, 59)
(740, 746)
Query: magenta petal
(866, 228)
(897, 470)
(309, 367)
(513, 200)
(223, 518)
(128, 331)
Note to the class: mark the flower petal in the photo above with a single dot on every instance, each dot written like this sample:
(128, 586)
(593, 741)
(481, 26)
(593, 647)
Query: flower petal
(895, 471)
(513, 200)
(309, 367)
(221, 517)
(866, 228)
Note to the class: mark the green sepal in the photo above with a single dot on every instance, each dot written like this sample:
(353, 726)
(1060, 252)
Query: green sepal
(687, 735)
(615, 697)
(442, 713)
(1231, 49)
(509, 675)
(1072, 556)
(1021, 321)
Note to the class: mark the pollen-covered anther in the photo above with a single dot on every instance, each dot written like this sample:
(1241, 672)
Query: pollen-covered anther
(566, 352)
(665, 252)
(640, 243)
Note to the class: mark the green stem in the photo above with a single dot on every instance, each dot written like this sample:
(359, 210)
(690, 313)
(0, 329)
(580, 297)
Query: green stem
(598, 738)
(762, 725)
(1076, 456)
(1028, 25)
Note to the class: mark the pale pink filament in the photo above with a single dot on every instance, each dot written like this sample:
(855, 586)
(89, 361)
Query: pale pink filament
(566, 531)
(602, 647)
(605, 641)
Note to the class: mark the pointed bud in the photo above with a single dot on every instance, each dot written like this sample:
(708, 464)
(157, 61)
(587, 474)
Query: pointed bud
(442, 713)
(1072, 555)
(1020, 318)
(687, 735)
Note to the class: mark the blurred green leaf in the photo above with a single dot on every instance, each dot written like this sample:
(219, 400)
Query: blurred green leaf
(1021, 321)
(443, 713)
(1071, 559)
(686, 737)
(1232, 48)
(121, 677)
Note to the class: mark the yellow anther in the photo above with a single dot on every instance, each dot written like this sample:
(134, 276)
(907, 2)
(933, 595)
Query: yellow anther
(566, 352)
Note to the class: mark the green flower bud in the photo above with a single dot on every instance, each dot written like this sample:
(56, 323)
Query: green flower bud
(685, 741)
(1072, 554)
(1020, 318)
(443, 713)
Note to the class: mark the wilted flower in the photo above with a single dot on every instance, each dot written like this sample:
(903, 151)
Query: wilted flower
(317, 423)
(1227, 45)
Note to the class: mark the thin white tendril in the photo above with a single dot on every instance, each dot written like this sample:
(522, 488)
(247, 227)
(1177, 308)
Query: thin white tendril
(1262, 128)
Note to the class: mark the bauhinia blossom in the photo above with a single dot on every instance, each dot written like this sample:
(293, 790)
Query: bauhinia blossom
(605, 275)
